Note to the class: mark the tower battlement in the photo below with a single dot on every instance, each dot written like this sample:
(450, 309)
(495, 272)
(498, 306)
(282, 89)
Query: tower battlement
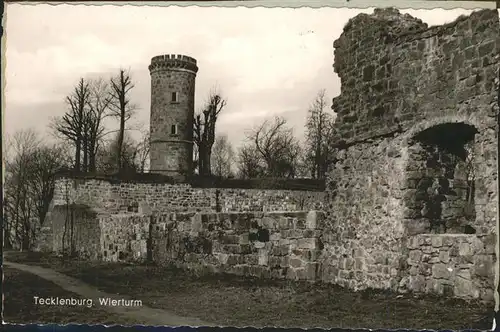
(173, 62)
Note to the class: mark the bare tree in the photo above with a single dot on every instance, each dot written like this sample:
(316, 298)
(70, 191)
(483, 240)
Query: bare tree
(250, 163)
(196, 159)
(222, 157)
(204, 131)
(277, 147)
(46, 160)
(141, 151)
(108, 154)
(71, 126)
(121, 108)
(319, 130)
(17, 223)
(82, 124)
(29, 187)
(98, 106)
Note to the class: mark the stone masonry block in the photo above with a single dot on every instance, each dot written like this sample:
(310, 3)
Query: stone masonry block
(311, 220)
(307, 243)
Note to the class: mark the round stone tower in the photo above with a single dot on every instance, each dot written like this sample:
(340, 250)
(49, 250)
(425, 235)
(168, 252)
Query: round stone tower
(172, 111)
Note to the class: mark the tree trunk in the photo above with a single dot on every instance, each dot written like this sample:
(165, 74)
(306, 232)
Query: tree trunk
(72, 239)
(65, 231)
(92, 156)
(149, 242)
(85, 156)
(207, 162)
(26, 241)
(120, 142)
(201, 153)
(78, 155)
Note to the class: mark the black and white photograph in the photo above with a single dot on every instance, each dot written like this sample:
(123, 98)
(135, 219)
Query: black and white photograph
(251, 167)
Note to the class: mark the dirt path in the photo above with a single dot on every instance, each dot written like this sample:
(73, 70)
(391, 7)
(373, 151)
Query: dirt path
(149, 316)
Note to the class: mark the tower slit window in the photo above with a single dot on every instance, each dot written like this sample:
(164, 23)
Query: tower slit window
(173, 129)
(175, 97)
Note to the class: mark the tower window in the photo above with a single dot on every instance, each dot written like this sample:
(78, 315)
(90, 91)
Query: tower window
(175, 97)
(173, 130)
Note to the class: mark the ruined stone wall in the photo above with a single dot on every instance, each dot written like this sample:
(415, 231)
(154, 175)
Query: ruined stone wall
(396, 72)
(364, 234)
(266, 245)
(400, 78)
(289, 246)
(163, 197)
(125, 237)
(75, 228)
(451, 264)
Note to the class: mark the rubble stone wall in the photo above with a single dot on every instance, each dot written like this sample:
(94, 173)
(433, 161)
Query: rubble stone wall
(267, 245)
(125, 237)
(451, 264)
(364, 233)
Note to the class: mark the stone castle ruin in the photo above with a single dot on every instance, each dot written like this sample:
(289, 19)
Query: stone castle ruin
(410, 204)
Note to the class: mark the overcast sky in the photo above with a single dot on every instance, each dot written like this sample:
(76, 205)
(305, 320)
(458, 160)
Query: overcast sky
(265, 61)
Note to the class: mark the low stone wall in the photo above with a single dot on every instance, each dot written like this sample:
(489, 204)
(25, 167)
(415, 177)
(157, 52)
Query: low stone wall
(136, 197)
(132, 196)
(451, 264)
(264, 245)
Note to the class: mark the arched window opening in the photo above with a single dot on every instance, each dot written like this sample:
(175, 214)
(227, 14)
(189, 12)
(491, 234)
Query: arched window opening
(441, 179)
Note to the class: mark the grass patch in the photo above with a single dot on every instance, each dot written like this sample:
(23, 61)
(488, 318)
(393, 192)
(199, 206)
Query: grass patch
(19, 290)
(235, 301)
